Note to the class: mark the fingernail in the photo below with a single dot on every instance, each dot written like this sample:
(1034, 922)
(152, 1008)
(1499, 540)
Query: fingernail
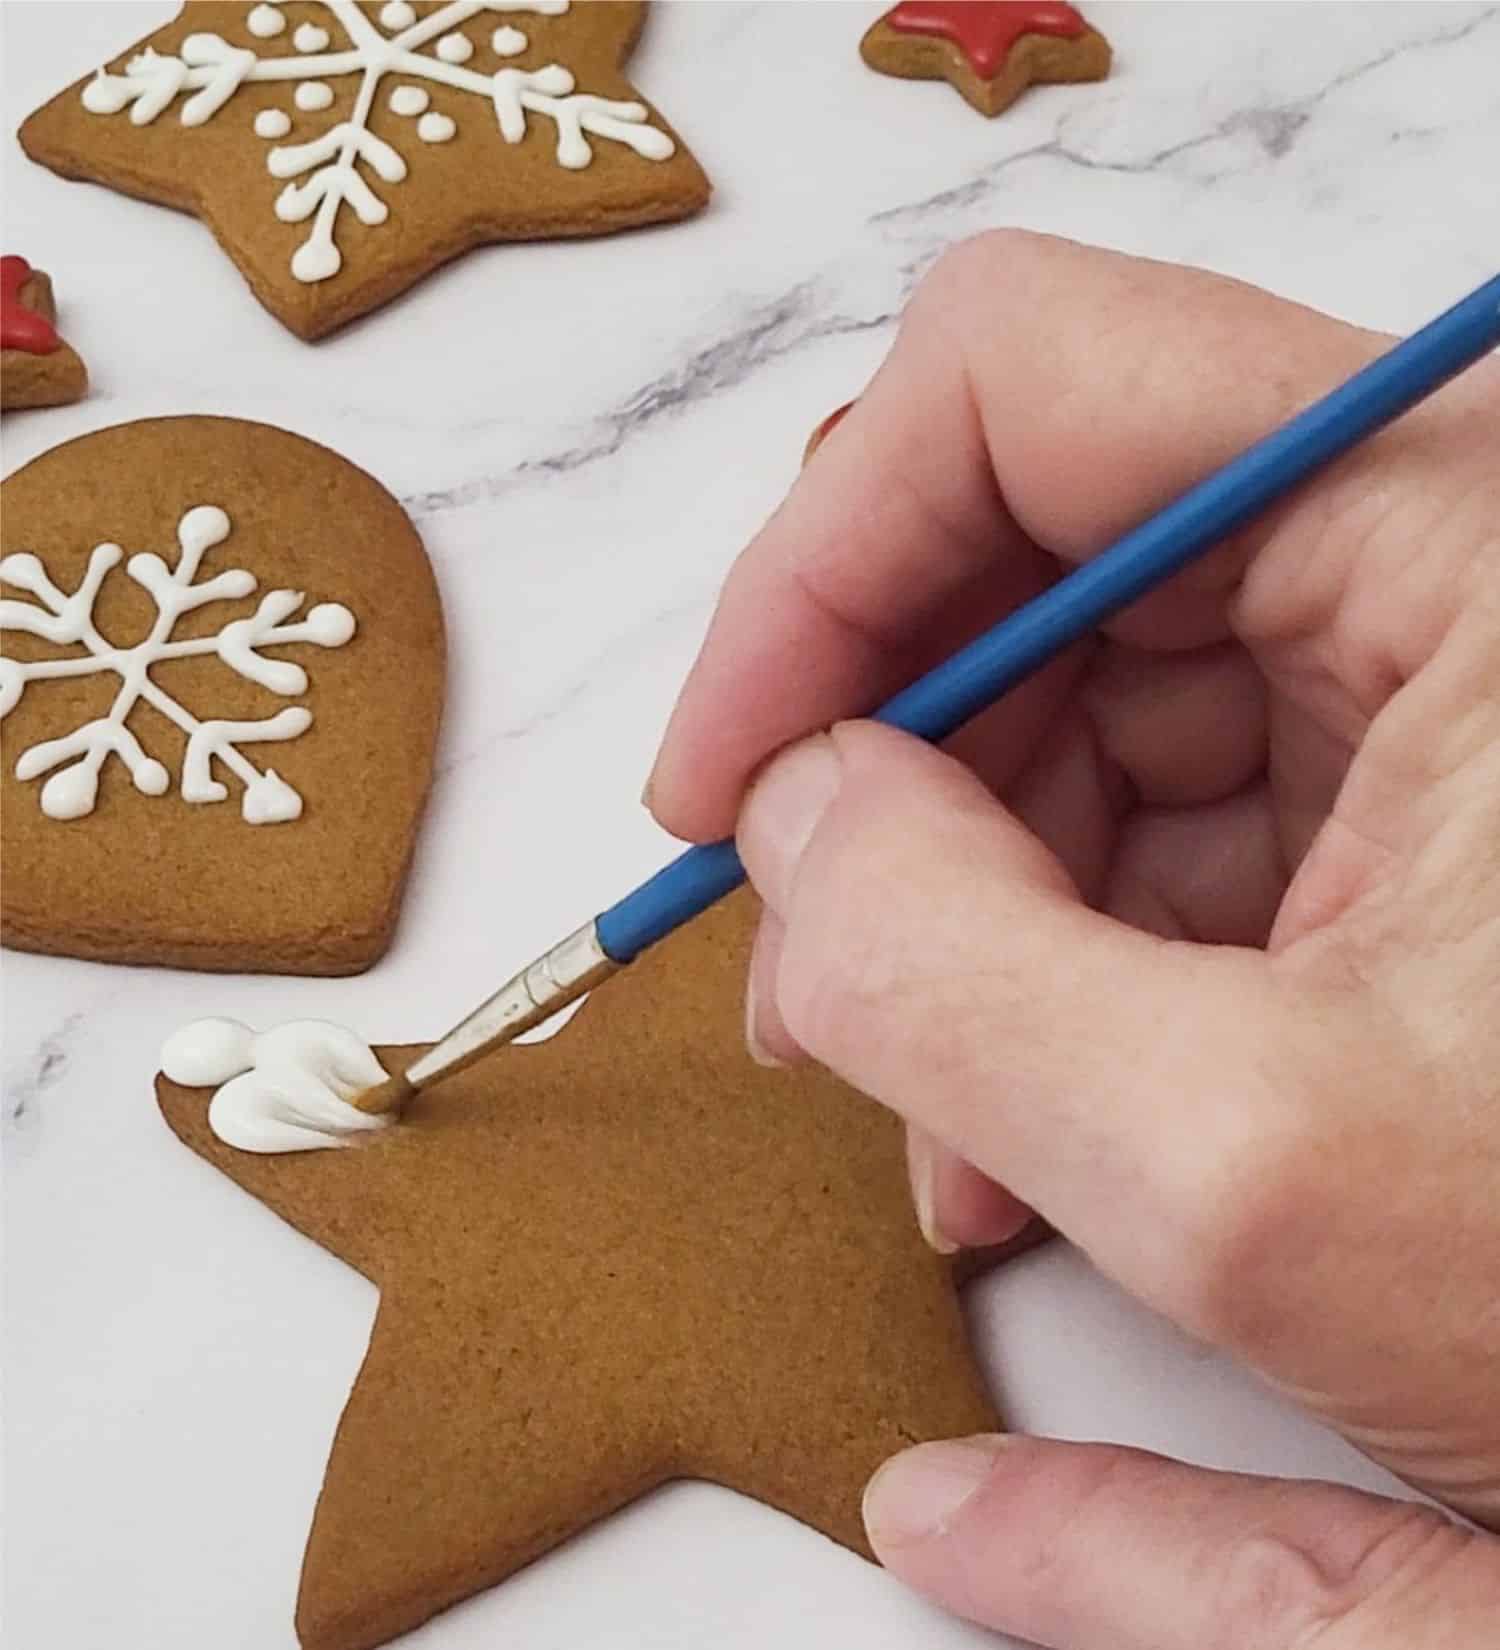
(923, 1165)
(782, 812)
(647, 791)
(918, 1494)
(761, 1055)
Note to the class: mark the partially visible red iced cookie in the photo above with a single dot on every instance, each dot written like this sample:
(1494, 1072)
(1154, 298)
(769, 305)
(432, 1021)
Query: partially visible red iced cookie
(990, 51)
(825, 429)
(37, 369)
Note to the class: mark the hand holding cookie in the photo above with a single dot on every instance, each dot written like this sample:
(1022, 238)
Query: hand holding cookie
(1171, 943)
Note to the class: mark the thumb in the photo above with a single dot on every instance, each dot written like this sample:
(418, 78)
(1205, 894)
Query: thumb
(1095, 1547)
(932, 951)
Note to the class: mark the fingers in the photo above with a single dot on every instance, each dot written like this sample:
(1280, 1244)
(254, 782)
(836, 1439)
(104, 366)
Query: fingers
(1039, 393)
(936, 955)
(1094, 1547)
(958, 1207)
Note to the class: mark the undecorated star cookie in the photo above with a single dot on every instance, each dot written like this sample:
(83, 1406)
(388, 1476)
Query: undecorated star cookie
(989, 51)
(623, 1255)
(37, 369)
(341, 151)
(221, 679)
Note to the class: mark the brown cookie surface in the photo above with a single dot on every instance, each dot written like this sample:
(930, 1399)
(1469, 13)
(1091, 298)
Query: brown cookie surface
(989, 51)
(339, 152)
(623, 1255)
(221, 684)
(37, 367)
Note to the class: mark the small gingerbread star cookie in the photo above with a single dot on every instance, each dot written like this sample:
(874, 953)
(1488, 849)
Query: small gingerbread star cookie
(989, 51)
(37, 369)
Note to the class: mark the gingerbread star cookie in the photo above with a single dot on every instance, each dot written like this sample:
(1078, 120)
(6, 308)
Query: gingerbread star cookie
(623, 1255)
(37, 369)
(222, 675)
(341, 151)
(989, 51)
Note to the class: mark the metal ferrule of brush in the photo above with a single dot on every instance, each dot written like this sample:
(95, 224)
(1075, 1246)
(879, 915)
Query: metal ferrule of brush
(571, 968)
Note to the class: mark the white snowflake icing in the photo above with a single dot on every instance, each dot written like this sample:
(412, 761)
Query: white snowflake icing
(68, 619)
(208, 71)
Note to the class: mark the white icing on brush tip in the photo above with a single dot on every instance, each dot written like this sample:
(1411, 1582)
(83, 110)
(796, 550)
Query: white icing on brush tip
(287, 1090)
(310, 38)
(273, 123)
(508, 42)
(455, 48)
(435, 128)
(313, 95)
(265, 22)
(408, 100)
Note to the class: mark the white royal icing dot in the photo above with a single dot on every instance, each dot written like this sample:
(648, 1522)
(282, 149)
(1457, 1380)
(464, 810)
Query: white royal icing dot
(408, 100)
(508, 42)
(435, 128)
(397, 14)
(312, 95)
(273, 123)
(310, 38)
(265, 22)
(455, 48)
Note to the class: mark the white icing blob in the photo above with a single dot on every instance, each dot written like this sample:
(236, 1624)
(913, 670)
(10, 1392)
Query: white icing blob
(508, 42)
(313, 95)
(316, 261)
(273, 123)
(330, 624)
(310, 38)
(265, 22)
(397, 14)
(207, 1052)
(269, 800)
(71, 793)
(435, 128)
(408, 100)
(455, 48)
(287, 1090)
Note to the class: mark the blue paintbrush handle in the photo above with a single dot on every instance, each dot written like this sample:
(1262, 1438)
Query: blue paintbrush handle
(979, 674)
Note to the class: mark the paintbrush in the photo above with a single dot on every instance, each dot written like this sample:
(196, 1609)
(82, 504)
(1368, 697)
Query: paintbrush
(986, 669)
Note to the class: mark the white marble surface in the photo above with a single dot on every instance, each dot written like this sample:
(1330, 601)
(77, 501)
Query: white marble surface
(586, 435)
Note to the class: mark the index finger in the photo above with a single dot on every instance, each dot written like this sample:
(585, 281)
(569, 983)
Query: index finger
(1039, 394)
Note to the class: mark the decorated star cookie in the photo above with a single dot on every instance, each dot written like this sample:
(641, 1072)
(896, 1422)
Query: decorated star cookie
(221, 679)
(623, 1255)
(341, 151)
(990, 51)
(37, 369)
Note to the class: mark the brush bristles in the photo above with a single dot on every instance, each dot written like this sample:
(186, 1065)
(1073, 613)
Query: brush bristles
(389, 1096)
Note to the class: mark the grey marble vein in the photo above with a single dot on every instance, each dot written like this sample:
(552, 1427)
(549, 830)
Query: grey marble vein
(773, 329)
(46, 1068)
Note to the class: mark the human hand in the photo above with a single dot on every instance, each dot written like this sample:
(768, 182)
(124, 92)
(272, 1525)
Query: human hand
(1196, 950)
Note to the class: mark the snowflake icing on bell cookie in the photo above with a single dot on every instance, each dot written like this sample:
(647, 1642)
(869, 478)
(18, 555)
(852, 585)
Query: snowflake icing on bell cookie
(66, 619)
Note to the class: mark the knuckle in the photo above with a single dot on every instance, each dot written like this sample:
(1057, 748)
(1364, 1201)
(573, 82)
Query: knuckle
(1252, 1209)
(968, 269)
(1348, 1568)
(836, 982)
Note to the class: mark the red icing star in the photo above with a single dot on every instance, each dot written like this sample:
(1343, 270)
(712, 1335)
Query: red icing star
(985, 30)
(20, 327)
